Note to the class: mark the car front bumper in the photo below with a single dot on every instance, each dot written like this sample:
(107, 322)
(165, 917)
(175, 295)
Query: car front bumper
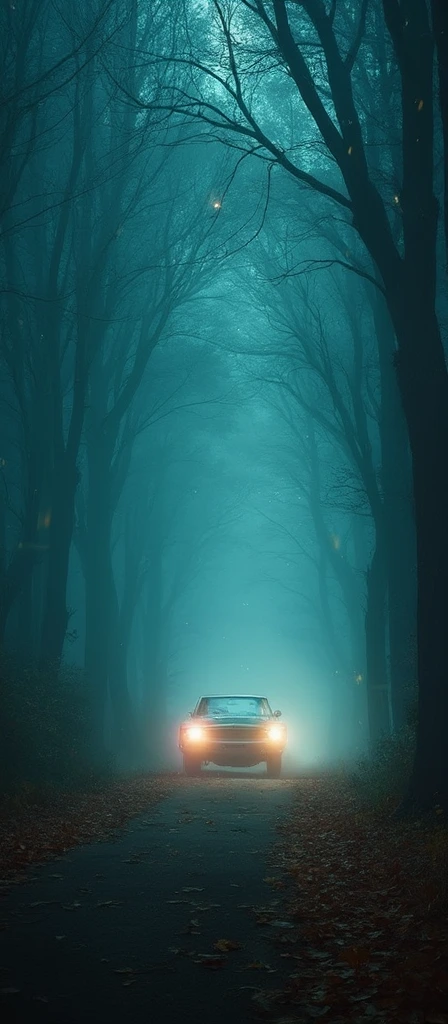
(232, 753)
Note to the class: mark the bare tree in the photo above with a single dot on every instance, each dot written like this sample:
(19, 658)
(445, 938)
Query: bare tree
(220, 94)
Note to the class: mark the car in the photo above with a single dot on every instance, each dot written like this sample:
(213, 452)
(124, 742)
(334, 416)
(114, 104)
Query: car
(232, 731)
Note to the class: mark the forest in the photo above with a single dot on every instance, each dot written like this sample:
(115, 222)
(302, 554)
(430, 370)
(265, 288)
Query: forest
(223, 378)
(224, 470)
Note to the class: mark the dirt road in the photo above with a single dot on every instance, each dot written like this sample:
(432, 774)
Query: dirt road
(118, 931)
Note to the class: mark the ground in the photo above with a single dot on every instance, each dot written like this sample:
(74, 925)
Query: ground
(124, 929)
(226, 898)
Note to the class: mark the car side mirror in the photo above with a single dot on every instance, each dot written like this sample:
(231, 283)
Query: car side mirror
(277, 714)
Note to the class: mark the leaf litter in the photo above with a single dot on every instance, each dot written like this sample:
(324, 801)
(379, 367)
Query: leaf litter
(41, 826)
(371, 938)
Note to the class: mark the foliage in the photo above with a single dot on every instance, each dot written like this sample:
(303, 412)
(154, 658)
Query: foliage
(380, 779)
(45, 725)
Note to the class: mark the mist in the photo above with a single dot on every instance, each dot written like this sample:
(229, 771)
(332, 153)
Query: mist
(223, 414)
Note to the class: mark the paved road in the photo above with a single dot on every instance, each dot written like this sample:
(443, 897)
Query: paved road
(200, 856)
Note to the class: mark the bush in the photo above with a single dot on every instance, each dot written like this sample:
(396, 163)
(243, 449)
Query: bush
(380, 780)
(45, 727)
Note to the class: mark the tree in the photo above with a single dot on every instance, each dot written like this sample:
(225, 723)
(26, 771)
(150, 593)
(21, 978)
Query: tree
(440, 27)
(46, 65)
(54, 256)
(222, 97)
(329, 384)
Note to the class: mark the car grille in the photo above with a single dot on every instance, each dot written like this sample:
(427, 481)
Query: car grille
(229, 733)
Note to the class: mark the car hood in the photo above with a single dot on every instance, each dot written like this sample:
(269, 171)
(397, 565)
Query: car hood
(232, 720)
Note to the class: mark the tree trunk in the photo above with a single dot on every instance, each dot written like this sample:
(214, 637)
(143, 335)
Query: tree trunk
(440, 25)
(98, 585)
(25, 620)
(154, 710)
(55, 618)
(399, 524)
(20, 568)
(423, 382)
(124, 730)
(424, 387)
(156, 722)
(376, 660)
(349, 697)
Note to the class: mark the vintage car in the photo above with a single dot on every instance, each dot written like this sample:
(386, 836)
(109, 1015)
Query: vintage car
(234, 731)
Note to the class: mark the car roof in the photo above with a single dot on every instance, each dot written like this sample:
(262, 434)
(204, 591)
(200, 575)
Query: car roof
(225, 696)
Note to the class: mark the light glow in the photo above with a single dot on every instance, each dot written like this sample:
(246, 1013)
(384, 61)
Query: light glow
(275, 733)
(195, 733)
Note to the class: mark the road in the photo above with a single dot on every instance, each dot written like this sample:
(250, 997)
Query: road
(106, 934)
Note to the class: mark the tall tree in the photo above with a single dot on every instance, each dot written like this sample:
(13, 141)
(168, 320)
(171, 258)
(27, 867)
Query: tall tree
(222, 96)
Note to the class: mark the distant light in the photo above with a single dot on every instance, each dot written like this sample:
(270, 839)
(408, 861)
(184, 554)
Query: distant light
(358, 678)
(217, 204)
(396, 199)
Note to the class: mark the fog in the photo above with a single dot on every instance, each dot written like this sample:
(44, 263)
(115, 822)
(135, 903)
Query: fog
(206, 475)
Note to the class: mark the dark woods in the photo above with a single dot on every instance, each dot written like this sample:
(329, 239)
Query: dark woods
(223, 303)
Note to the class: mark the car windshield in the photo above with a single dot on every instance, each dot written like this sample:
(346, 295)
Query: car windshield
(250, 707)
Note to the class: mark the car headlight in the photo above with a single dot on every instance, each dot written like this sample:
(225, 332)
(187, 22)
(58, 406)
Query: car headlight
(194, 733)
(275, 733)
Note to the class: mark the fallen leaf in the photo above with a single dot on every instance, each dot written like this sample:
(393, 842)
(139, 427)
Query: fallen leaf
(226, 945)
(266, 1001)
(355, 956)
(208, 960)
(281, 924)
(43, 903)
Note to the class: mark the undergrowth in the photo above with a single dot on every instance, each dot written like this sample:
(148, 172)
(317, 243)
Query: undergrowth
(45, 729)
(379, 782)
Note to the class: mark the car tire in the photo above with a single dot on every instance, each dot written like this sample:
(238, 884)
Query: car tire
(274, 766)
(192, 766)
